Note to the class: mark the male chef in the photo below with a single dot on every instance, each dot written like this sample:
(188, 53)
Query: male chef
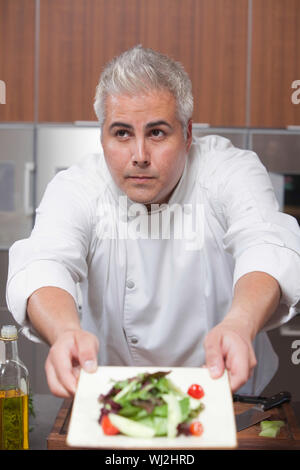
(176, 244)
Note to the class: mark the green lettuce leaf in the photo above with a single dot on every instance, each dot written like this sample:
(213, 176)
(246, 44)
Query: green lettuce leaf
(270, 428)
(159, 424)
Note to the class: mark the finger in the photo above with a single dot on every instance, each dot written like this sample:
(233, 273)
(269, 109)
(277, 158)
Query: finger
(253, 361)
(87, 350)
(60, 358)
(54, 385)
(237, 379)
(214, 356)
(76, 372)
(237, 363)
(66, 374)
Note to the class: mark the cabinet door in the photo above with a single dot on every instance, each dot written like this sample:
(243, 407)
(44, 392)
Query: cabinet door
(16, 184)
(78, 37)
(215, 56)
(279, 151)
(59, 147)
(275, 62)
(17, 33)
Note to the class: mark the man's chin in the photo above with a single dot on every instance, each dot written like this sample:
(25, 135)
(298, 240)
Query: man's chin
(140, 199)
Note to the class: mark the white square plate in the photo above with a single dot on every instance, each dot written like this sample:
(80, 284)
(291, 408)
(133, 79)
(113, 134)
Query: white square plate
(217, 417)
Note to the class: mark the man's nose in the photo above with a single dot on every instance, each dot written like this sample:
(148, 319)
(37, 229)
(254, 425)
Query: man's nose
(140, 154)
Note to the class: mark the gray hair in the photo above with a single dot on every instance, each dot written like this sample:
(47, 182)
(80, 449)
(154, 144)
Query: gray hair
(142, 70)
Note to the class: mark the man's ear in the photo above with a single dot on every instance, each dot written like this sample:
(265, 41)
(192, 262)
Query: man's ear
(189, 135)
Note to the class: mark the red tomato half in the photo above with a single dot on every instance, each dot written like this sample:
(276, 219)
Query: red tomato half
(196, 428)
(107, 427)
(196, 391)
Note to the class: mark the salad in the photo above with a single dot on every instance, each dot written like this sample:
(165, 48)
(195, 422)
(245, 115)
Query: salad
(150, 405)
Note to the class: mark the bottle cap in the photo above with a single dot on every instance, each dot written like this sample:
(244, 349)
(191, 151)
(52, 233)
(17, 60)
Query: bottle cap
(9, 332)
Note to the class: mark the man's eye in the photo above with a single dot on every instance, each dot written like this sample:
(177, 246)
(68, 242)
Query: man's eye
(157, 133)
(122, 133)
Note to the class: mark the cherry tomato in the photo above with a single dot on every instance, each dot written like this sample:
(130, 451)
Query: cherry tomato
(196, 391)
(107, 427)
(196, 428)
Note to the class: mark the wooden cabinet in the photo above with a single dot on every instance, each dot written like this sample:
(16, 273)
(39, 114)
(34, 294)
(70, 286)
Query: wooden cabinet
(275, 62)
(17, 45)
(215, 56)
(241, 77)
(78, 37)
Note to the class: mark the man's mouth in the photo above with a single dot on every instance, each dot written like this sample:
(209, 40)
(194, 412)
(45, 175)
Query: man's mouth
(141, 178)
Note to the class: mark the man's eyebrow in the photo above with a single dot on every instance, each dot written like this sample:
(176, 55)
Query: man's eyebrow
(158, 123)
(120, 124)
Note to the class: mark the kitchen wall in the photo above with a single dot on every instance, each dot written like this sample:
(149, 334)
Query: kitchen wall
(243, 57)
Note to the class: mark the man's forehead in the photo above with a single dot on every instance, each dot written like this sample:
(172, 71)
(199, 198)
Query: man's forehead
(157, 102)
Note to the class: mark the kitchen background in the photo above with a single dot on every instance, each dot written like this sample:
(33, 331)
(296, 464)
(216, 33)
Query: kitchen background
(242, 55)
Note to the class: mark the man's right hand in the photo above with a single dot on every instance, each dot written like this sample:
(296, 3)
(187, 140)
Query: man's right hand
(53, 313)
(72, 350)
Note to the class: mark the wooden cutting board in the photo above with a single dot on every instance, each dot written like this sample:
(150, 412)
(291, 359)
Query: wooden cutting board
(288, 438)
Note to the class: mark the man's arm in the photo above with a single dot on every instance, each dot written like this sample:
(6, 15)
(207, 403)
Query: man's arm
(44, 270)
(229, 344)
(53, 313)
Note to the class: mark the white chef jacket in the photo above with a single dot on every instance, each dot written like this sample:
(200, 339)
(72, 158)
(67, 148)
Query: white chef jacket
(152, 301)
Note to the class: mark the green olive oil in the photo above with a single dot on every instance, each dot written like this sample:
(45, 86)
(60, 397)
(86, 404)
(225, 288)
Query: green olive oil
(13, 420)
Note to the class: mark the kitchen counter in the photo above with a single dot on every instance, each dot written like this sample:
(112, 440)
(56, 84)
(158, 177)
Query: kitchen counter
(48, 407)
(287, 439)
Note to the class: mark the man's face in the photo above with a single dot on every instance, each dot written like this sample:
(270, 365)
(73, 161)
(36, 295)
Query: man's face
(144, 146)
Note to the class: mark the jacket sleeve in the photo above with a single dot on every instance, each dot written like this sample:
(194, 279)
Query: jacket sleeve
(257, 234)
(55, 253)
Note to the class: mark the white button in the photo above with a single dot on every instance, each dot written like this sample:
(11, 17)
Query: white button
(124, 218)
(187, 209)
(134, 340)
(130, 284)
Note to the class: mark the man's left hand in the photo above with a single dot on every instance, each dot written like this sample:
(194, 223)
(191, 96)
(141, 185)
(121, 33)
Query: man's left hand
(226, 346)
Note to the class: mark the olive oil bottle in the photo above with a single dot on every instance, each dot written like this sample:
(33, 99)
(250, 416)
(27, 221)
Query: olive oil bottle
(14, 390)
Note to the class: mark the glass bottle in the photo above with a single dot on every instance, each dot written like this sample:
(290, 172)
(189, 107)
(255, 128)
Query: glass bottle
(14, 391)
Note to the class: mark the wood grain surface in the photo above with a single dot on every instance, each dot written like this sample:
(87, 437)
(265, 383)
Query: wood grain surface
(78, 37)
(275, 62)
(287, 439)
(17, 33)
(210, 37)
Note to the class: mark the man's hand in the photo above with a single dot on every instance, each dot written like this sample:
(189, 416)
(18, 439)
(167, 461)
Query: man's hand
(226, 347)
(72, 349)
(229, 344)
(53, 313)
